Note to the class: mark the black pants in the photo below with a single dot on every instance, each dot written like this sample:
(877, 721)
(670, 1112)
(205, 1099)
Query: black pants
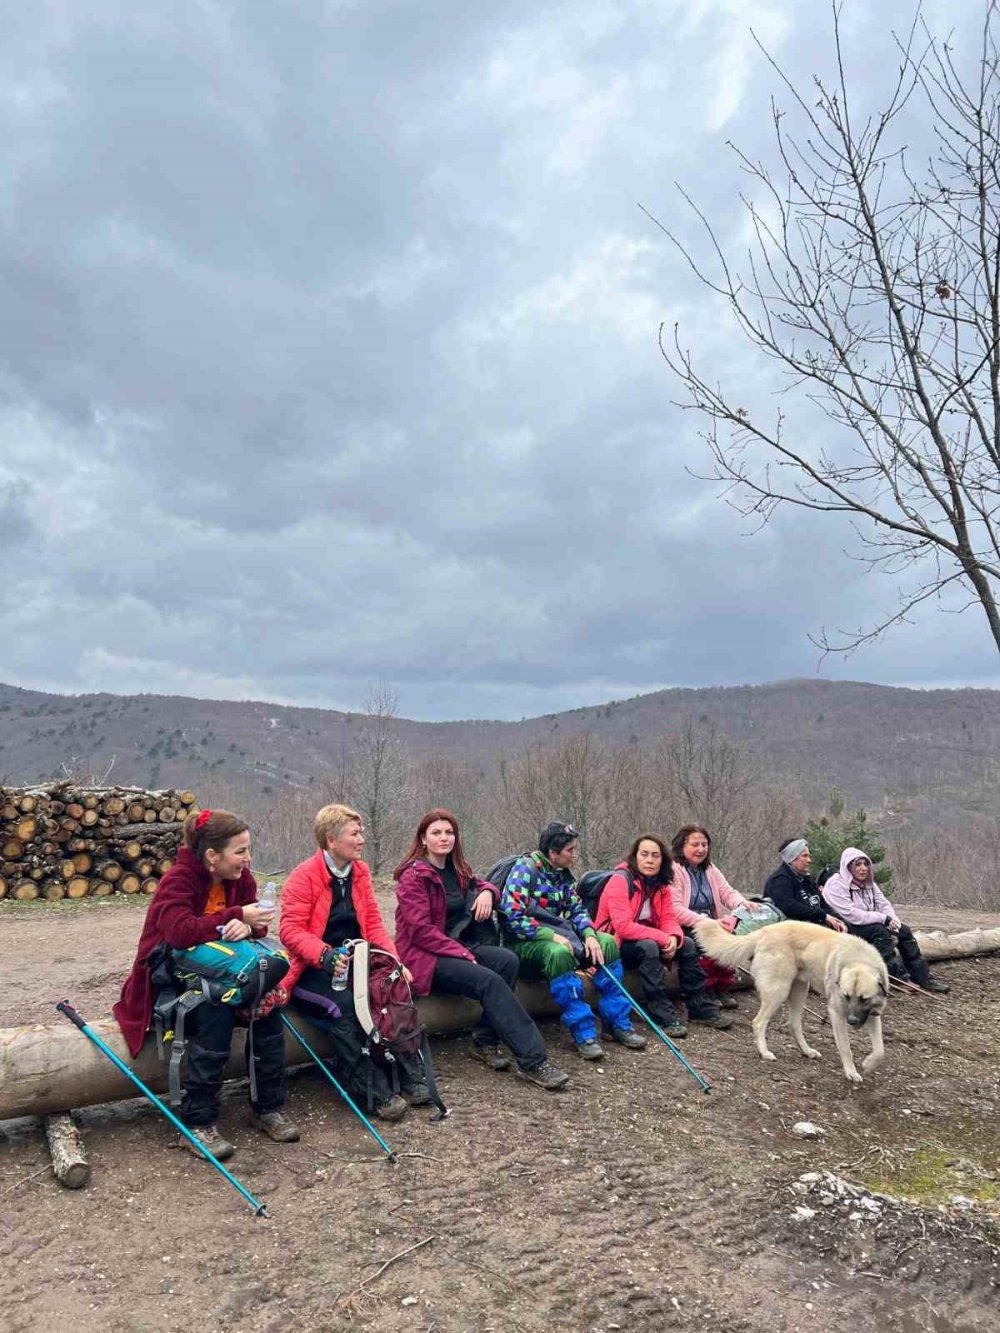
(901, 952)
(644, 957)
(365, 1079)
(209, 1034)
(490, 980)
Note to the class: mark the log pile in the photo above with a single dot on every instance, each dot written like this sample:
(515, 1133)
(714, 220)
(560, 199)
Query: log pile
(65, 841)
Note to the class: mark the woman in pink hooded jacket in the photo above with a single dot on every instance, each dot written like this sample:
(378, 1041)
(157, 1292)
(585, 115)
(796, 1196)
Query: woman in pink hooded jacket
(853, 895)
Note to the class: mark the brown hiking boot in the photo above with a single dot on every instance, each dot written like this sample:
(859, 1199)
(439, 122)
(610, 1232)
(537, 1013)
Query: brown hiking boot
(629, 1038)
(546, 1075)
(591, 1049)
(392, 1110)
(276, 1126)
(491, 1056)
(211, 1140)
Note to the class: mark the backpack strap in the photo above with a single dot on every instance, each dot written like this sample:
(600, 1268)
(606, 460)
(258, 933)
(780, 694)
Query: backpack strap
(185, 1005)
(360, 968)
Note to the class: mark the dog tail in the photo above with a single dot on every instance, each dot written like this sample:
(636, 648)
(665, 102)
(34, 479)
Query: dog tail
(729, 950)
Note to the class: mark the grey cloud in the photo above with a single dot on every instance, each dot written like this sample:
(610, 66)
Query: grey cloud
(332, 332)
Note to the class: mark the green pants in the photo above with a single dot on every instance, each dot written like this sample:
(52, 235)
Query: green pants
(548, 960)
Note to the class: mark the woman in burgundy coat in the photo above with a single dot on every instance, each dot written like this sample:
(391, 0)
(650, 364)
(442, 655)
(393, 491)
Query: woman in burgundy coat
(208, 894)
(446, 937)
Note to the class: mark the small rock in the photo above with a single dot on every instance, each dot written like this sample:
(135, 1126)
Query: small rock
(408, 1300)
(803, 1214)
(805, 1129)
(810, 1178)
(960, 1201)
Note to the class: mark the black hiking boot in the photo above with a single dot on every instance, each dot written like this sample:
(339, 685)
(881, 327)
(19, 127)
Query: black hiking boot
(417, 1094)
(727, 1001)
(629, 1038)
(546, 1075)
(938, 987)
(591, 1049)
(491, 1056)
(713, 1020)
(276, 1126)
(210, 1138)
(674, 1027)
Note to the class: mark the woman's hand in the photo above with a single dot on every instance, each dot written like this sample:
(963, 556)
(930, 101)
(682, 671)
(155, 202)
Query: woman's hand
(835, 923)
(482, 908)
(256, 917)
(592, 949)
(235, 930)
(668, 950)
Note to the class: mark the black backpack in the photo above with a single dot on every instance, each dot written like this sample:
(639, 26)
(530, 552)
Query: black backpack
(499, 872)
(589, 888)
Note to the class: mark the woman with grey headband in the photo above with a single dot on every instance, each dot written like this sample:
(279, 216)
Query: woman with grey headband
(793, 890)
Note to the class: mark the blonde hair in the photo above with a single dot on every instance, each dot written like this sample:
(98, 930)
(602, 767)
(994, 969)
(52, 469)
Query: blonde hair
(331, 821)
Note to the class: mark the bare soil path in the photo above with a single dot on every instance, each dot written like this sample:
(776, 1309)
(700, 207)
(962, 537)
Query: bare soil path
(630, 1201)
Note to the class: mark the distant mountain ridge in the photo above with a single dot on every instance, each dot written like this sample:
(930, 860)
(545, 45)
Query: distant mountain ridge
(936, 752)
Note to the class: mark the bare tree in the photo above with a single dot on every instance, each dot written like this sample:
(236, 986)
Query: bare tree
(378, 773)
(874, 284)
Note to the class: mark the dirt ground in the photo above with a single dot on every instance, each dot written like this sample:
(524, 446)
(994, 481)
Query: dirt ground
(632, 1200)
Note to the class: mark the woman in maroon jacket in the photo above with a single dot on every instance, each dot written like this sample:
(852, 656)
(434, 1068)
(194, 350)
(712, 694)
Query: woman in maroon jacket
(446, 937)
(637, 908)
(209, 893)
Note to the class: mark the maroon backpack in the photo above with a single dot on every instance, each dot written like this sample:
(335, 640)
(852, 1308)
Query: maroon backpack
(388, 1014)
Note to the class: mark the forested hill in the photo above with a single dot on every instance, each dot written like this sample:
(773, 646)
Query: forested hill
(935, 751)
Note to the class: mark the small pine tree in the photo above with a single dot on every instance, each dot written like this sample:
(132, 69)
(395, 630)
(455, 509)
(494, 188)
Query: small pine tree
(832, 832)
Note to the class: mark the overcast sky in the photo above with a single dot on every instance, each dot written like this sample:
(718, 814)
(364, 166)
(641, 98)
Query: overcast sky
(328, 351)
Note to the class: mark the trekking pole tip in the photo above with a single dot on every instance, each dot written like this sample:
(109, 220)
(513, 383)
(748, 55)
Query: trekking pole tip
(260, 1210)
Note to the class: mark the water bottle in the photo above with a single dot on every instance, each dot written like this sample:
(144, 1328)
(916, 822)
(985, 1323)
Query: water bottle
(340, 982)
(267, 897)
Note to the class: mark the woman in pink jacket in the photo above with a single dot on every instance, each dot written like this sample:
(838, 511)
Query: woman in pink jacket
(636, 906)
(699, 889)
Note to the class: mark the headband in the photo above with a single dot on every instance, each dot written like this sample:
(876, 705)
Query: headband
(795, 848)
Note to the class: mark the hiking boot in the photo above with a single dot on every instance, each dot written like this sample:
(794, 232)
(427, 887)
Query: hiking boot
(674, 1027)
(545, 1075)
(392, 1110)
(938, 987)
(727, 1001)
(276, 1126)
(491, 1056)
(721, 1021)
(629, 1038)
(591, 1049)
(209, 1138)
(417, 1094)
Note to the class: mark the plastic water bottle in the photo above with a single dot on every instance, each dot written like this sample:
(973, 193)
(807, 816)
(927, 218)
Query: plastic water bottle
(267, 897)
(339, 982)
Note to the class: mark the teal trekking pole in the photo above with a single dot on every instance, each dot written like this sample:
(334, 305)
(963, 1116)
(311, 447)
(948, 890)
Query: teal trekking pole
(703, 1083)
(260, 1209)
(343, 1092)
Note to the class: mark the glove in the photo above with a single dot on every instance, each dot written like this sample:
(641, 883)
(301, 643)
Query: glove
(331, 960)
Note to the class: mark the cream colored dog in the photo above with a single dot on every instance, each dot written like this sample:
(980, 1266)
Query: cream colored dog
(786, 959)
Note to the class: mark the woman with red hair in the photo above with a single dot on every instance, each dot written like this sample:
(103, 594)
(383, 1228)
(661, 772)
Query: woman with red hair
(446, 937)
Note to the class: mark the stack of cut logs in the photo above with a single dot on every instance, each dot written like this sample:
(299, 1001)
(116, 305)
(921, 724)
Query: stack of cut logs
(66, 841)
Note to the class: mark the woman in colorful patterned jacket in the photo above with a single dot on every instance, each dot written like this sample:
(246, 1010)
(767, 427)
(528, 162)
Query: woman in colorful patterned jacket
(445, 933)
(637, 908)
(326, 901)
(700, 889)
(547, 926)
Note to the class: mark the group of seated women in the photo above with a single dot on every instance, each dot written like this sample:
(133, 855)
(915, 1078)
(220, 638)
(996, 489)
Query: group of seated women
(455, 934)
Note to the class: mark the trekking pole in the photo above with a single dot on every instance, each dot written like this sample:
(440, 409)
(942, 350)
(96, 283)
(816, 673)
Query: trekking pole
(703, 1083)
(910, 986)
(260, 1209)
(343, 1092)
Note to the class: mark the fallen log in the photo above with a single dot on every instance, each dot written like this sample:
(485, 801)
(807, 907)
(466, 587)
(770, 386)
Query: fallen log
(936, 945)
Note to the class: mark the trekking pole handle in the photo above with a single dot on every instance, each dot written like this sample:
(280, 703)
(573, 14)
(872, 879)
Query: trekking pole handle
(66, 1008)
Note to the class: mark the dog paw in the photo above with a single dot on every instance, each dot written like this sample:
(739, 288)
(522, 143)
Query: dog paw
(853, 1076)
(810, 1054)
(871, 1062)
(768, 1055)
